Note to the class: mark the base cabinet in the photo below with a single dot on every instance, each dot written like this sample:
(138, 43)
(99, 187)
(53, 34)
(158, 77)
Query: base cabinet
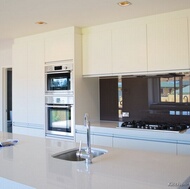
(144, 145)
(24, 130)
(81, 137)
(135, 144)
(103, 140)
(95, 139)
(183, 149)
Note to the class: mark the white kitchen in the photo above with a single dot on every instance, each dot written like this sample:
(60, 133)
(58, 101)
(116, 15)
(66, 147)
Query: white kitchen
(113, 95)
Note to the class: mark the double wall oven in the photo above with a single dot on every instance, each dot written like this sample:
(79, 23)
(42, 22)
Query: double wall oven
(59, 100)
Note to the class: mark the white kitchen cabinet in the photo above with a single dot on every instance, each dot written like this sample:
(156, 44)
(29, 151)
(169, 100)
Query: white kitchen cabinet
(36, 82)
(136, 144)
(59, 46)
(97, 53)
(28, 87)
(129, 49)
(102, 140)
(167, 45)
(96, 139)
(83, 138)
(20, 83)
(183, 149)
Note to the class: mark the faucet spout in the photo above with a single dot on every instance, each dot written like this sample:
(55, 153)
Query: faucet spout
(88, 150)
(87, 125)
(88, 154)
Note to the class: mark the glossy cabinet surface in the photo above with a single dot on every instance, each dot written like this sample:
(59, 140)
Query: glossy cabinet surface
(144, 145)
(137, 139)
(28, 87)
(97, 53)
(157, 43)
(20, 84)
(59, 47)
(36, 82)
(168, 45)
(129, 49)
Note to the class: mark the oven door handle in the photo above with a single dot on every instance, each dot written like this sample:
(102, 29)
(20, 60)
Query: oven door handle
(56, 106)
(58, 72)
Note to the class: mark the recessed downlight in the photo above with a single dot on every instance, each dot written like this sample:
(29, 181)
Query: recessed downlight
(124, 3)
(40, 22)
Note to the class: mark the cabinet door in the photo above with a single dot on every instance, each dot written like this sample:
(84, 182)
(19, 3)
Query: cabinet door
(20, 83)
(59, 47)
(129, 49)
(183, 149)
(168, 45)
(36, 112)
(83, 138)
(97, 53)
(103, 140)
(145, 145)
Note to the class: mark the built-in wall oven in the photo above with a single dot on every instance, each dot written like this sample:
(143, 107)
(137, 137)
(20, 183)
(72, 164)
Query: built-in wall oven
(59, 78)
(59, 115)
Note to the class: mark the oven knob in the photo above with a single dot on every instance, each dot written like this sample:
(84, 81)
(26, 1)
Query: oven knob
(65, 67)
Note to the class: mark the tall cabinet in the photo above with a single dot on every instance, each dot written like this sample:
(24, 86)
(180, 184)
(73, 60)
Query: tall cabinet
(28, 90)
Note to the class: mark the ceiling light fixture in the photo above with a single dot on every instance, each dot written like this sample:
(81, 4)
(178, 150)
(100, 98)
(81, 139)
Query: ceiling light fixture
(40, 23)
(124, 3)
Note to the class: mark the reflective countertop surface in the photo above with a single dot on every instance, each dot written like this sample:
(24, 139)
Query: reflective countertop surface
(30, 163)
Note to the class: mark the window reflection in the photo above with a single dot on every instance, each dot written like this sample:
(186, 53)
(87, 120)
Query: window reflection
(175, 89)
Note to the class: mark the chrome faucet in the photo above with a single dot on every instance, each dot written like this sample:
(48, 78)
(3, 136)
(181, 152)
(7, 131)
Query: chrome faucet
(88, 154)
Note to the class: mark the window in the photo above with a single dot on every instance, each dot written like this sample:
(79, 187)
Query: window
(175, 88)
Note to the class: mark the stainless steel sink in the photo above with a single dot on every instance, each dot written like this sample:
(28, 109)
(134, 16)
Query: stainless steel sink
(70, 155)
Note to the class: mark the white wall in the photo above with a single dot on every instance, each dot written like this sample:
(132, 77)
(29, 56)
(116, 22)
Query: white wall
(5, 61)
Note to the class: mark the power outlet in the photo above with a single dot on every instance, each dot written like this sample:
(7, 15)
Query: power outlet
(125, 114)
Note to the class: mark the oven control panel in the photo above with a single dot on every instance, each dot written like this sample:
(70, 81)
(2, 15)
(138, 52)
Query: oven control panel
(58, 68)
(59, 100)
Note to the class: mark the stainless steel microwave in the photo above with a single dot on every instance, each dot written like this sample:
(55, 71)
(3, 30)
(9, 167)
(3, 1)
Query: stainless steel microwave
(59, 79)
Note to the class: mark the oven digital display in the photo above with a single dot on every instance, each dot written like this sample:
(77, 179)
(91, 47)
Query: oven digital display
(58, 68)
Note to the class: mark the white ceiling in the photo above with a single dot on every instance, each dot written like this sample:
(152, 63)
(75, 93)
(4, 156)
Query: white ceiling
(18, 17)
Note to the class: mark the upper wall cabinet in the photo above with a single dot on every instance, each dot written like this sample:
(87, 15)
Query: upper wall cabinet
(168, 45)
(97, 53)
(129, 49)
(59, 46)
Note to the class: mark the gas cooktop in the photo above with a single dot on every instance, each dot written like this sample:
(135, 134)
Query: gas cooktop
(155, 125)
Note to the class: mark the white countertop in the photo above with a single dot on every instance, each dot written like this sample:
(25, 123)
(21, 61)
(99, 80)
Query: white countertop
(29, 163)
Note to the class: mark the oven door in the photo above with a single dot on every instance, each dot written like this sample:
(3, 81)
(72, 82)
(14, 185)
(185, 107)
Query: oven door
(59, 82)
(59, 120)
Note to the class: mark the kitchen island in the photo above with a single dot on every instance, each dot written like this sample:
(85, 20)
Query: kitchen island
(30, 164)
(112, 135)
